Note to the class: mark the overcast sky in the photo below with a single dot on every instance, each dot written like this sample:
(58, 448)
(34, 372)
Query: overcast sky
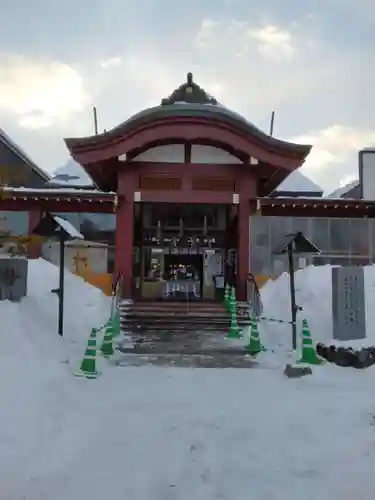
(313, 62)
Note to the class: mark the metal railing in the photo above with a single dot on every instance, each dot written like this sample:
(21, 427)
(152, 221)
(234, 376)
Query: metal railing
(253, 295)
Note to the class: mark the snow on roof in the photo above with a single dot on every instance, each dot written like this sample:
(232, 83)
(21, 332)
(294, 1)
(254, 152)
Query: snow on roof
(68, 190)
(71, 174)
(68, 228)
(297, 182)
(341, 191)
(79, 243)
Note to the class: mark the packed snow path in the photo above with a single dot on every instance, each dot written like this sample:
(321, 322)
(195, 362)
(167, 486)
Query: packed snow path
(174, 433)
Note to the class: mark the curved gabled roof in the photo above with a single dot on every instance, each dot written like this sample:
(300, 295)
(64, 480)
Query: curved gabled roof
(182, 109)
(189, 114)
(192, 101)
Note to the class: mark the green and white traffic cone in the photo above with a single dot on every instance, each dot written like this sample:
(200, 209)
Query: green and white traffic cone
(234, 330)
(232, 301)
(254, 346)
(107, 345)
(226, 294)
(308, 354)
(116, 324)
(88, 365)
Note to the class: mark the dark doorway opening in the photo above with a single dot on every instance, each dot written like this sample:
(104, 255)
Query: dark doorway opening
(184, 273)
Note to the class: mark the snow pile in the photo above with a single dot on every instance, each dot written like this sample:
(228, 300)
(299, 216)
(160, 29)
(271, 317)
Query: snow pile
(35, 319)
(174, 433)
(314, 295)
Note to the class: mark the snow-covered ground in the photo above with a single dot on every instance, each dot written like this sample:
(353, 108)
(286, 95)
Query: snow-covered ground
(173, 433)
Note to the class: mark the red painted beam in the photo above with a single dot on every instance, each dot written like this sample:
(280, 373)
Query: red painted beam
(307, 207)
(56, 205)
(188, 196)
(319, 212)
(90, 150)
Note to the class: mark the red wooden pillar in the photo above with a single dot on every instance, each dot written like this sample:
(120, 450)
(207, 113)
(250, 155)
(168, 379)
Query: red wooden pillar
(243, 252)
(124, 246)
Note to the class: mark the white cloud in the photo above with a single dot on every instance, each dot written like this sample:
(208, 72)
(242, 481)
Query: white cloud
(348, 179)
(206, 32)
(333, 160)
(111, 62)
(261, 67)
(335, 144)
(270, 41)
(274, 42)
(39, 92)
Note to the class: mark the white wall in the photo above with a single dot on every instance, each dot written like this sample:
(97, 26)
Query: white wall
(175, 153)
(209, 154)
(172, 153)
(368, 173)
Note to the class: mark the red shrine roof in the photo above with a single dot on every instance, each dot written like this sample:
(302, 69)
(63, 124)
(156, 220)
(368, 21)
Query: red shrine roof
(188, 114)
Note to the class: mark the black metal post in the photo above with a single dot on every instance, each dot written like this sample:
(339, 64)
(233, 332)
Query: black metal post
(95, 120)
(272, 123)
(61, 283)
(292, 296)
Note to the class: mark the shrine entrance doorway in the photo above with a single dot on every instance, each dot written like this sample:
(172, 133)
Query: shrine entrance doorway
(184, 276)
(180, 252)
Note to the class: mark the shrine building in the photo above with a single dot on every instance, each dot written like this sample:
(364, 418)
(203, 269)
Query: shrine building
(184, 173)
(185, 194)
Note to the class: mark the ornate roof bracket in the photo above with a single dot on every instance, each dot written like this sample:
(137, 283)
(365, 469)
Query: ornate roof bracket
(189, 92)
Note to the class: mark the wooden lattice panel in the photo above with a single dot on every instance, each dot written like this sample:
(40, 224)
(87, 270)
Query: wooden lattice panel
(159, 183)
(210, 184)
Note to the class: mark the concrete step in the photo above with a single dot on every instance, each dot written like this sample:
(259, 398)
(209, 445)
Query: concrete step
(178, 323)
(178, 316)
(178, 305)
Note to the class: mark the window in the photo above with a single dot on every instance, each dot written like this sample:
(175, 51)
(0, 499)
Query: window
(359, 237)
(153, 264)
(320, 234)
(301, 224)
(192, 216)
(260, 232)
(14, 223)
(372, 238)
(339, 233)
(279, 229)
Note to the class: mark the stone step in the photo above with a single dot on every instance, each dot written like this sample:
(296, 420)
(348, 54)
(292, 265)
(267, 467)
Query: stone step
(179, 323)
(162, 325)
(137, 332)
(185, 310)
(168, 313)
(178, 316)
(178, 309)
(178, 305)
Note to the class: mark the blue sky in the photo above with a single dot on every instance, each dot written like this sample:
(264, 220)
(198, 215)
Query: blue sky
(311, 62)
